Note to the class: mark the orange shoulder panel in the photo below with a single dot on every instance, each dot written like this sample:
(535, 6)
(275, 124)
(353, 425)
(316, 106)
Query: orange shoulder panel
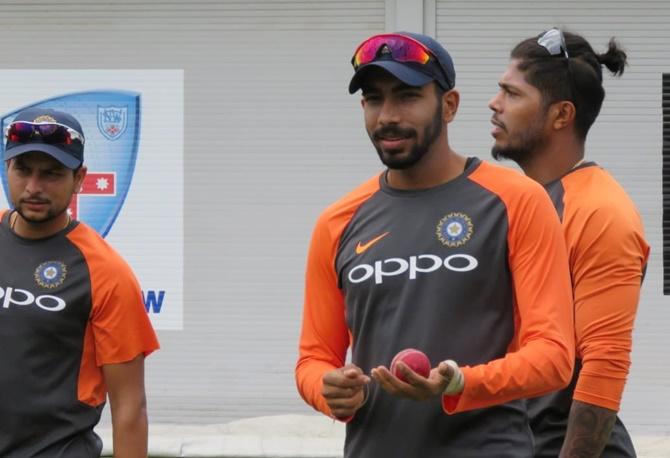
(119, 328)
(608, 254)
(541, 356)
(325, 336)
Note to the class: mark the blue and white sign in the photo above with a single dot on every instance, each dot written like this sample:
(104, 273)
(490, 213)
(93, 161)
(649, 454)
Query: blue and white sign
(133, 194)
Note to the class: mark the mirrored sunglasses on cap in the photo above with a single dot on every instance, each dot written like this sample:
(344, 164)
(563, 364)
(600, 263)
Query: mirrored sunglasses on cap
(401, 48)
(553, 41)
(52, 133)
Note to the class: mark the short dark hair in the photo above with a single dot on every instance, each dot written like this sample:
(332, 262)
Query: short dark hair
(578, 78)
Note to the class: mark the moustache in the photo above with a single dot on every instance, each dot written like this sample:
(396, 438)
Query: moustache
(496, 122)
(34, 201)
(393, 132)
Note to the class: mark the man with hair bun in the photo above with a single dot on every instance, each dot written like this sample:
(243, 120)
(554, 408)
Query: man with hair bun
(550, 95)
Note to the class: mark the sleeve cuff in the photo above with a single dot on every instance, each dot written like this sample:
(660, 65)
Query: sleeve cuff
(599, 391)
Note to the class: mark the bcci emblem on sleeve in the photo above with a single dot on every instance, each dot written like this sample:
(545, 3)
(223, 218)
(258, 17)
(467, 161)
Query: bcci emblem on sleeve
(50, 274)
(455, 229)
(110, 121)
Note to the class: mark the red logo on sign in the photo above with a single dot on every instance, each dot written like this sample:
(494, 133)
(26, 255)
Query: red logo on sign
(101, 184)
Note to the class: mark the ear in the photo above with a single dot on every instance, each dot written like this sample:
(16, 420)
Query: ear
(79, 179)
(450, 101)
(562, 114)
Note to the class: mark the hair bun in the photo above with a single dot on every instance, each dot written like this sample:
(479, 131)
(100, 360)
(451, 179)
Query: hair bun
(614, 59)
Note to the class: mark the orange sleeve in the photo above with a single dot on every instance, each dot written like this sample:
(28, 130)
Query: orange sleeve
(608, 257)
(119, 321)
(325, 336)
(541, 357)
(119, 324)
(118, 328)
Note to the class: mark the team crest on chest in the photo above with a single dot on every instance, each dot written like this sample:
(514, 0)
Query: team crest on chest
(50, 274)
(455, 229)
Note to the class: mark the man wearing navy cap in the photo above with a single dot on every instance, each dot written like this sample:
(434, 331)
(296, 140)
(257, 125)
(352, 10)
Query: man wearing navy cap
(73, 328)
(443, 253)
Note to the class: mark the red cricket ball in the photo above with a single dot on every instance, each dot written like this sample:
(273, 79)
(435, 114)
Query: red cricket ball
(415, 359)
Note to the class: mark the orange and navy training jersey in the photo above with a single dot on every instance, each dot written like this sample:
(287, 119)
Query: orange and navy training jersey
(70, 305)
(607, 253)
(473, 270)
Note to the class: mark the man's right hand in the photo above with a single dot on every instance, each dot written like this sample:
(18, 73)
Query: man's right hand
(344, 390)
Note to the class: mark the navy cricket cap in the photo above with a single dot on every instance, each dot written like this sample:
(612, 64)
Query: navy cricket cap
(70, 154)
(440, 67)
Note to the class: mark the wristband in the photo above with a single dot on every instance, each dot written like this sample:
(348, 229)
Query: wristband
(456, 383)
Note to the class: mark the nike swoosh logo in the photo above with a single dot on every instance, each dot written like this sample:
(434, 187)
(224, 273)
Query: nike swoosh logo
(361, 247)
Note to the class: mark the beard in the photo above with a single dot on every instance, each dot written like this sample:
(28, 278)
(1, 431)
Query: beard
(528, 145)
(393, 159)
(50, 215)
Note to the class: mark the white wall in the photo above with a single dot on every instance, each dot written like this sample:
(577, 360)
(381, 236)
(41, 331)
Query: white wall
(272, 136)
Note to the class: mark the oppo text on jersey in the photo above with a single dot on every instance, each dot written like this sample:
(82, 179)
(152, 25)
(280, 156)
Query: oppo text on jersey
(423, 263)
(11, 296)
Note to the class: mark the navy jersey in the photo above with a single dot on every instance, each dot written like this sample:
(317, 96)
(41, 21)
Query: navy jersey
(473, 270)
(70, 305)
(607, 253)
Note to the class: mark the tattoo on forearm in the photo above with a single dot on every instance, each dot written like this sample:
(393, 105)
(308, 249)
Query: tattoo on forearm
(589, 429)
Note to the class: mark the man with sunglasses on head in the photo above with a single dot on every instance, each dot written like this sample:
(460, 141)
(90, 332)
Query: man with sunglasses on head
(549, 97)
(73, 327)
(444, 253)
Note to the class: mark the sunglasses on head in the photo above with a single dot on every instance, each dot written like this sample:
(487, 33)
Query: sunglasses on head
(47, 132)
(400, 47)
(553, 41)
